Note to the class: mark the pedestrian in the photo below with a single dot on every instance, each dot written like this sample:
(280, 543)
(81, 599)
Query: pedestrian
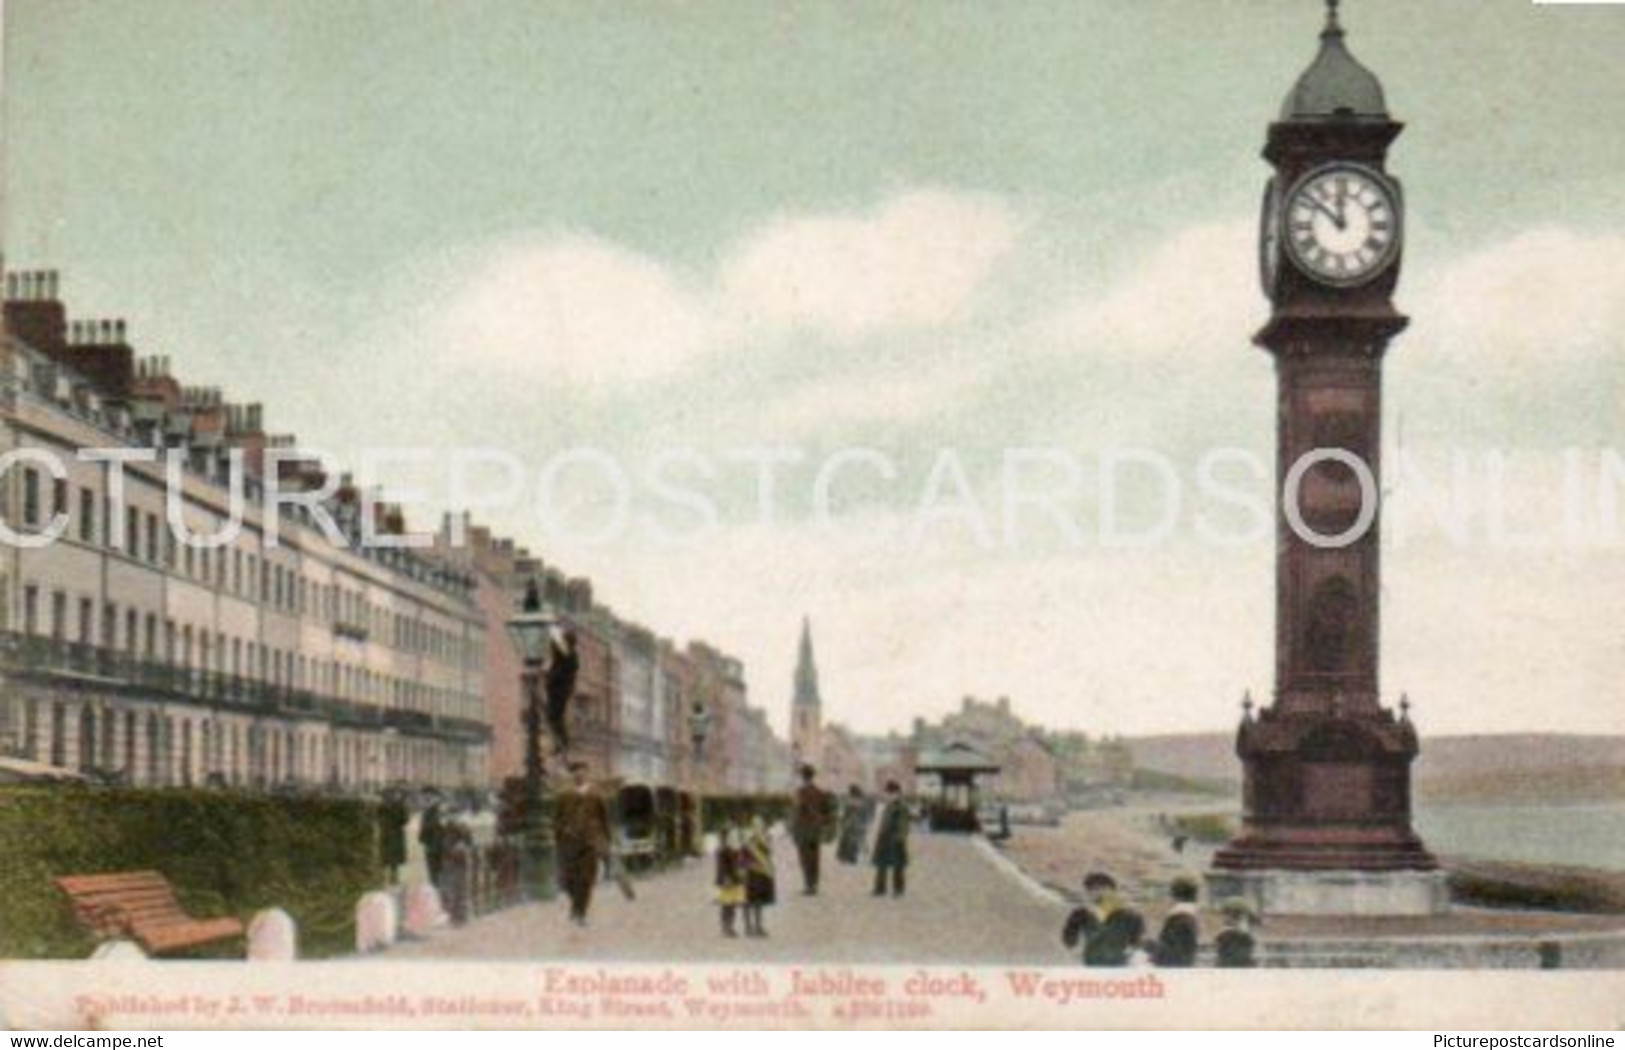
(761, 885)
(1107, 927)
(810, 820)
(431, 836)
(1235, 947)
(581, 829)
(856, 814)
(1176, 943)
(393, 816)
(891, 842)
(563, 665)
(457, 868)
(730, 878)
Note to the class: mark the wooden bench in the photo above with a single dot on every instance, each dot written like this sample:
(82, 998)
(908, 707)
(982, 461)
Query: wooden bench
(141, 905)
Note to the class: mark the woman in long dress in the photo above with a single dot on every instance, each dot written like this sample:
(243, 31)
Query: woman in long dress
(856, 815)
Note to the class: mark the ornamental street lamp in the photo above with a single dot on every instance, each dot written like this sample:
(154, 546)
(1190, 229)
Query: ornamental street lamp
(531, 631)
(699, 727)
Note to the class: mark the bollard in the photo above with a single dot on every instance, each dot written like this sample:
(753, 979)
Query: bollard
(377, 921)
(118, 951)
(273, 937)
(423, 910)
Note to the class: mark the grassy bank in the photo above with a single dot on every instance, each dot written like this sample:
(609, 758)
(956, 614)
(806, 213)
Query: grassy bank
(1543, 887)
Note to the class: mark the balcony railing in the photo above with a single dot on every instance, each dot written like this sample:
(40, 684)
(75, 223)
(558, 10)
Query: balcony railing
(149, 679)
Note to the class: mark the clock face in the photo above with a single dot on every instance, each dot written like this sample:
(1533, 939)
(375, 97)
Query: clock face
(1269, 239)
(1342, 224)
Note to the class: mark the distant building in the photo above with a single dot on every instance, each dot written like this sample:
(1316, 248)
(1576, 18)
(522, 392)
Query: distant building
(1028, 768)
(637, 695)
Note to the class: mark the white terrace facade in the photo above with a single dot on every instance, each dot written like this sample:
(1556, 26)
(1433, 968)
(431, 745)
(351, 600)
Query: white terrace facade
(306, 664)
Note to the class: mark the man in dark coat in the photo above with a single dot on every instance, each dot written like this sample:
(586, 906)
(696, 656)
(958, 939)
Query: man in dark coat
(1176, 944)
(581, 829)
(393, 817)
(431, 836)
(1108, 928)
(562, 669)
(891, 842)
(809, 820)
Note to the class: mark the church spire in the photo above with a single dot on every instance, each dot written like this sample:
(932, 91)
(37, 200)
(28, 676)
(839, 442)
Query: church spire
(806, 691)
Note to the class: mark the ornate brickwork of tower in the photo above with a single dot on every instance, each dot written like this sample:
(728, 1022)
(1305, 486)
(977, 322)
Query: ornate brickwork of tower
(1326, 766)
(806, 706)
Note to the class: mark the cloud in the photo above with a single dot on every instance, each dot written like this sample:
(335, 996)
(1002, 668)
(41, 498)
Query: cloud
(575, 310)
(917, 260)
(1549, 296)
(1194, 296)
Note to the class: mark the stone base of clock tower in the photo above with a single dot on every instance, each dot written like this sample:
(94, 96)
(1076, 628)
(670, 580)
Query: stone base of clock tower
(1355, 893)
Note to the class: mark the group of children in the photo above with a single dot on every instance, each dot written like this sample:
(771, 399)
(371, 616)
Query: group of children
(1112, 933)
(745, 879)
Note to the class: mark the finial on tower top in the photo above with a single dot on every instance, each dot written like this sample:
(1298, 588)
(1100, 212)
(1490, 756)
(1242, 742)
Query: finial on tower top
(1335, 86)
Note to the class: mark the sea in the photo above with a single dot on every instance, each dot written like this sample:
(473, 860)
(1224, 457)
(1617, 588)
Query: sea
(1587, 834)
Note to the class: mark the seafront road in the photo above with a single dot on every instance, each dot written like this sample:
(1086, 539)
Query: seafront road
(962, 906)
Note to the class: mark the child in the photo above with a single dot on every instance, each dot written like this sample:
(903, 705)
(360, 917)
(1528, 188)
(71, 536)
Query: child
(730, 879)
(1108, 928)
(1176, 944)
(1235, 945)
(760, 887)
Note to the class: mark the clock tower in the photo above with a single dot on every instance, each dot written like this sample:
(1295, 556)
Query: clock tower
(1326, 796)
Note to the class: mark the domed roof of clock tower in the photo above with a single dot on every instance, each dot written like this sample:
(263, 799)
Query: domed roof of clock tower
(1335, 84)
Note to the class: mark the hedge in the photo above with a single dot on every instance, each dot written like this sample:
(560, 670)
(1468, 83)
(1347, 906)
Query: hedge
(225, 853)
(720, 811)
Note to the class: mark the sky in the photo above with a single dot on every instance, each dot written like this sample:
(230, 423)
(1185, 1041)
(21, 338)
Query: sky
(942, 254)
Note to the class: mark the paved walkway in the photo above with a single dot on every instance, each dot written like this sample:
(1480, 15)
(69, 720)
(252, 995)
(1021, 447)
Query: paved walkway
(961, 907)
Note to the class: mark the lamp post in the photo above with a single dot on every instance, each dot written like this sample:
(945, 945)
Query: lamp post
(699, 727)
(531, 631)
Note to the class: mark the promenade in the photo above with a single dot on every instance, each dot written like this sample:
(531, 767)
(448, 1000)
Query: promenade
(961, 907)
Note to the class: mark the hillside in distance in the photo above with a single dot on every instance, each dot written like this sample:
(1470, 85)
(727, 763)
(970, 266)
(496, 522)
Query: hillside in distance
(1509, 767)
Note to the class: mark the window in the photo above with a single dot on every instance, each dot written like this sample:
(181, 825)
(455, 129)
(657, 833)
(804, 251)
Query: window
(59, 495)
(31, 610)
(87, 516)
(87, 621)
(31, 515)
(132, 533)
(110, 625)
(132, 631)
(152, 538)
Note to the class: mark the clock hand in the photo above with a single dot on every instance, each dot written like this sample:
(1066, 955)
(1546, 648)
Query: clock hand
(1325, 208)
